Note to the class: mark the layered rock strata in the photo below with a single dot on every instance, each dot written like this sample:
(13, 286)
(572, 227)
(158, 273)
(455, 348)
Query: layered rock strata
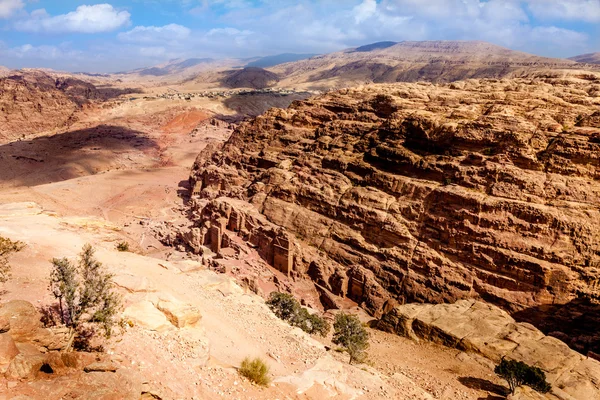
(418, 192)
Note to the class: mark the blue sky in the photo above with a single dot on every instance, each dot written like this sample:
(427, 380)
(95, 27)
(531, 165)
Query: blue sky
(82, 35)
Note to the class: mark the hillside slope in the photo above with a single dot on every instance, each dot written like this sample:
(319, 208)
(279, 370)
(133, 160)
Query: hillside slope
(591, 58)
(436, 61)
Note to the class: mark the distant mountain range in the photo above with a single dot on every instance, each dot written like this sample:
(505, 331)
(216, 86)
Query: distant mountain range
(271, 61)
(172, 67)
(432, 61)
(590, 58)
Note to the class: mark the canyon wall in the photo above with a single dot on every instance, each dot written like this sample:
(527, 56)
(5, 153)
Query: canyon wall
(417, 192)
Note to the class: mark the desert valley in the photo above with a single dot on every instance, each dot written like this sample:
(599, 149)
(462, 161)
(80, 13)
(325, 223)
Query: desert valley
(444, 194)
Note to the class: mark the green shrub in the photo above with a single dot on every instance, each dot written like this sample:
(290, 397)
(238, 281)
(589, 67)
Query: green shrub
(517, 373)
(286, 307)
(123, 246)
(7, 247)
(84, 294)
(256, 371)
(349, 333)
(318, 325)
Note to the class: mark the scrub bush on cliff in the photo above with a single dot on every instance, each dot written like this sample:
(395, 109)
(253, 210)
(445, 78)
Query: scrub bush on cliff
(517, 373)
(349, 333)
(286, 307)
(84, 293)
(7, 247)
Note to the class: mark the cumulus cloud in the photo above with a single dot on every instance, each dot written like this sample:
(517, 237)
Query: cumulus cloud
(575, 10)
(85, 19)
(8, 8)
(156, 34)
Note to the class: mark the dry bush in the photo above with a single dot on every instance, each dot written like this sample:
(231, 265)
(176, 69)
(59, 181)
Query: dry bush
(7, 247)
(256, 371)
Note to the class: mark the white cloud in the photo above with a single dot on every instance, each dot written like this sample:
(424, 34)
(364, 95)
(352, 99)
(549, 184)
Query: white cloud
(8, 8)
(156, 34)
(85, 19)
(365, 10)
(243, 28)
(28, 51)
(576, 10)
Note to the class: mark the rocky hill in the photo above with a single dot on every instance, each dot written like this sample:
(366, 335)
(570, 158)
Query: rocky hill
(435, 61)
(591, 58)
(34, 102)
(250, 77)
(417, 192)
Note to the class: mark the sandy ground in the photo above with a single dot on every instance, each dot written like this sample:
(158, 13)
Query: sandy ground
(72, 198)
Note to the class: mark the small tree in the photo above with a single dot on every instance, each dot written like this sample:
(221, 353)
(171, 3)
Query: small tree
(7, 247)
(84, 294)
(349, 333)
(256, 371)
(286, 307)
(517, 373)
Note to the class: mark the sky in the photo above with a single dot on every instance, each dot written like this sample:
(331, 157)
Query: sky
(118, 35)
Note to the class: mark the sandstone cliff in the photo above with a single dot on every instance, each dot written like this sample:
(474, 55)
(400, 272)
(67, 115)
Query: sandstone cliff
(34, 102)
(417, 192)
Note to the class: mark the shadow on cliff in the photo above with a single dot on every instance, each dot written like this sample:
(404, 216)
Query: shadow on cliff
(73, 154)
(255, 104)
(575, 323)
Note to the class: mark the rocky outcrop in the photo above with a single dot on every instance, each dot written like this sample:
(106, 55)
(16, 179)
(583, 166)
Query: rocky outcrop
(481, 328)
(34, 102)
(30, 353)
(418, 193)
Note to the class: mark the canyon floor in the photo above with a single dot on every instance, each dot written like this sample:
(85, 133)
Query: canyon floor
(110, 178)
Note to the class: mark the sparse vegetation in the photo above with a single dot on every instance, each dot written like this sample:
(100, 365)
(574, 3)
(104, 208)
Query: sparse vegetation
(286, 307)
(517, 373)
(256, 371)
(7, 247)
(123, 246)
(84, 294)
(349, 333)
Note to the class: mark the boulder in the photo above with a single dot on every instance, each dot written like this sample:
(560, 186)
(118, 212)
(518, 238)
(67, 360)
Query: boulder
(23, 319)
(179, 314)
(146, 315)
(8, 349)
(25, 366)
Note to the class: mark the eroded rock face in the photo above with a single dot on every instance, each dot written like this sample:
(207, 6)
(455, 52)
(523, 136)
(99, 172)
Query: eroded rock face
(489, 331)
(419, 193)
(34, 102)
